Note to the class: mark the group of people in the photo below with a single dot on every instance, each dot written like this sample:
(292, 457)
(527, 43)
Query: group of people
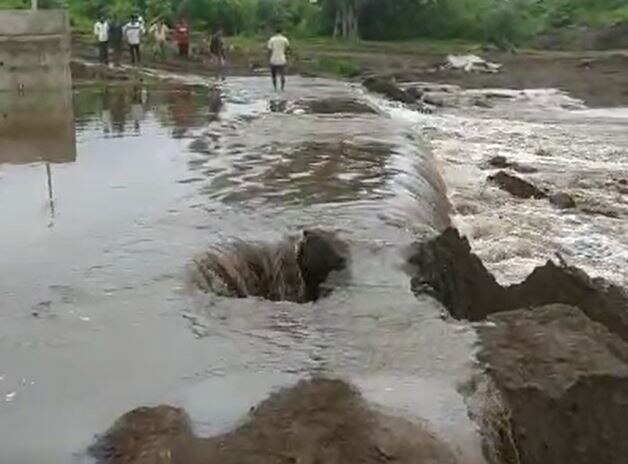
(114, 35)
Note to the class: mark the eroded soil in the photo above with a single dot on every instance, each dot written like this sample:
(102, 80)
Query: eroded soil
(316, 421)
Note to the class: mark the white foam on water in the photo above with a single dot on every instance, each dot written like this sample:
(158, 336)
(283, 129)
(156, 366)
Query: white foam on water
(575, 149)
(618, 113)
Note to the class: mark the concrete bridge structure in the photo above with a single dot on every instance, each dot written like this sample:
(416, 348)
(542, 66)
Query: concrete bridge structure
(36, 116)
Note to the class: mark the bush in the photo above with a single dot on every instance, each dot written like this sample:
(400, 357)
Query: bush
(336, 66)
(509, 23)
(503, 22)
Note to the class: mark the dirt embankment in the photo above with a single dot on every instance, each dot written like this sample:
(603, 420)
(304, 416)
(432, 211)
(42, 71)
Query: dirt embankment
(446, 268)
(316, 421)
(600, 78)
(559, 389)
(554, 353)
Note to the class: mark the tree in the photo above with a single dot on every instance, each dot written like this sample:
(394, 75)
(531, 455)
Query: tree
(346, 18)
(159, 9)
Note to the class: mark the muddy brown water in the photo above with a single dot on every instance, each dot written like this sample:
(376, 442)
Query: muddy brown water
(96, 317)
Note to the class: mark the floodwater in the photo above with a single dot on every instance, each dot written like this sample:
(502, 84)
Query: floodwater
(577, 150)
(96, 317)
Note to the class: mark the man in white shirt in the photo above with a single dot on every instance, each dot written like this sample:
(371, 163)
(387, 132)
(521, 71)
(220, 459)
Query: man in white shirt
(133, 31)
(278, 46)
(101, 31)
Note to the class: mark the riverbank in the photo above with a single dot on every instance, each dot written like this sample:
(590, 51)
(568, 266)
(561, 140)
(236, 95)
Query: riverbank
(600, 78)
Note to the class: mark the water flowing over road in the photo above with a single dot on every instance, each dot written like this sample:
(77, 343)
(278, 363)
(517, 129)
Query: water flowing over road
(97, 317)
(97, 314)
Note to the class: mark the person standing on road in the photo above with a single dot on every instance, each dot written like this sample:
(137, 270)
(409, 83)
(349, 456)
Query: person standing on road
(116, 40)
(133, 33)
(278, 47)
(217, 48)
(101, 31)
(182, 36)
(160, 31)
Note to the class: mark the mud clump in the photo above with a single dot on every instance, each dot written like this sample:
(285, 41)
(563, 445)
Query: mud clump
(144, 436)
(563, 386)
(562, 200)
(336, 106)
(501, 162)
(318, 254)
(446, 269)
(389, 89)
(415, 92)
(316, 421)
(434, 100)
(516, 186)
(293, 269)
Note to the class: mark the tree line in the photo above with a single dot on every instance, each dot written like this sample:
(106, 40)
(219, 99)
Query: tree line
(498, 21)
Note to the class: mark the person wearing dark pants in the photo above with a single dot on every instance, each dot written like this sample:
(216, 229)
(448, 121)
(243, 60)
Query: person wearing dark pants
(217, 48)
(116, 40)
(184, 50)
(101, 31)
(278, 47)
(278, 71)
(103, 52)
(136, 56)
(182, 36)
(133, 31)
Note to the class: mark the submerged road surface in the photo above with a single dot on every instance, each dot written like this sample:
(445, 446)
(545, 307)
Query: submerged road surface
(96, 317)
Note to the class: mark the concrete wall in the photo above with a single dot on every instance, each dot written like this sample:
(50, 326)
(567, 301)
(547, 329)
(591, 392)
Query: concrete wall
(34, 50)
(37, 126)
(36, 116)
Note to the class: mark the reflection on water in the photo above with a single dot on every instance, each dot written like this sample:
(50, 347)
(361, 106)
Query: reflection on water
(92, 307)
(122, 110)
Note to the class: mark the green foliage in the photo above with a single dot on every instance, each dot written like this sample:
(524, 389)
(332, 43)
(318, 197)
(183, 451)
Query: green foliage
(499, 21)
(344, 67)
(509, 22)
(504, 22)
(25, 4)
(586, 12)
(207, 14)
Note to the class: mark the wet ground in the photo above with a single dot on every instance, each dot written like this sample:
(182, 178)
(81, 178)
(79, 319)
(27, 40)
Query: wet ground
(97, 317)
(598, 78)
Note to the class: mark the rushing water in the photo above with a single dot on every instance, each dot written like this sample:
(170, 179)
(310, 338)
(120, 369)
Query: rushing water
(96, 317)
(581, 151)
